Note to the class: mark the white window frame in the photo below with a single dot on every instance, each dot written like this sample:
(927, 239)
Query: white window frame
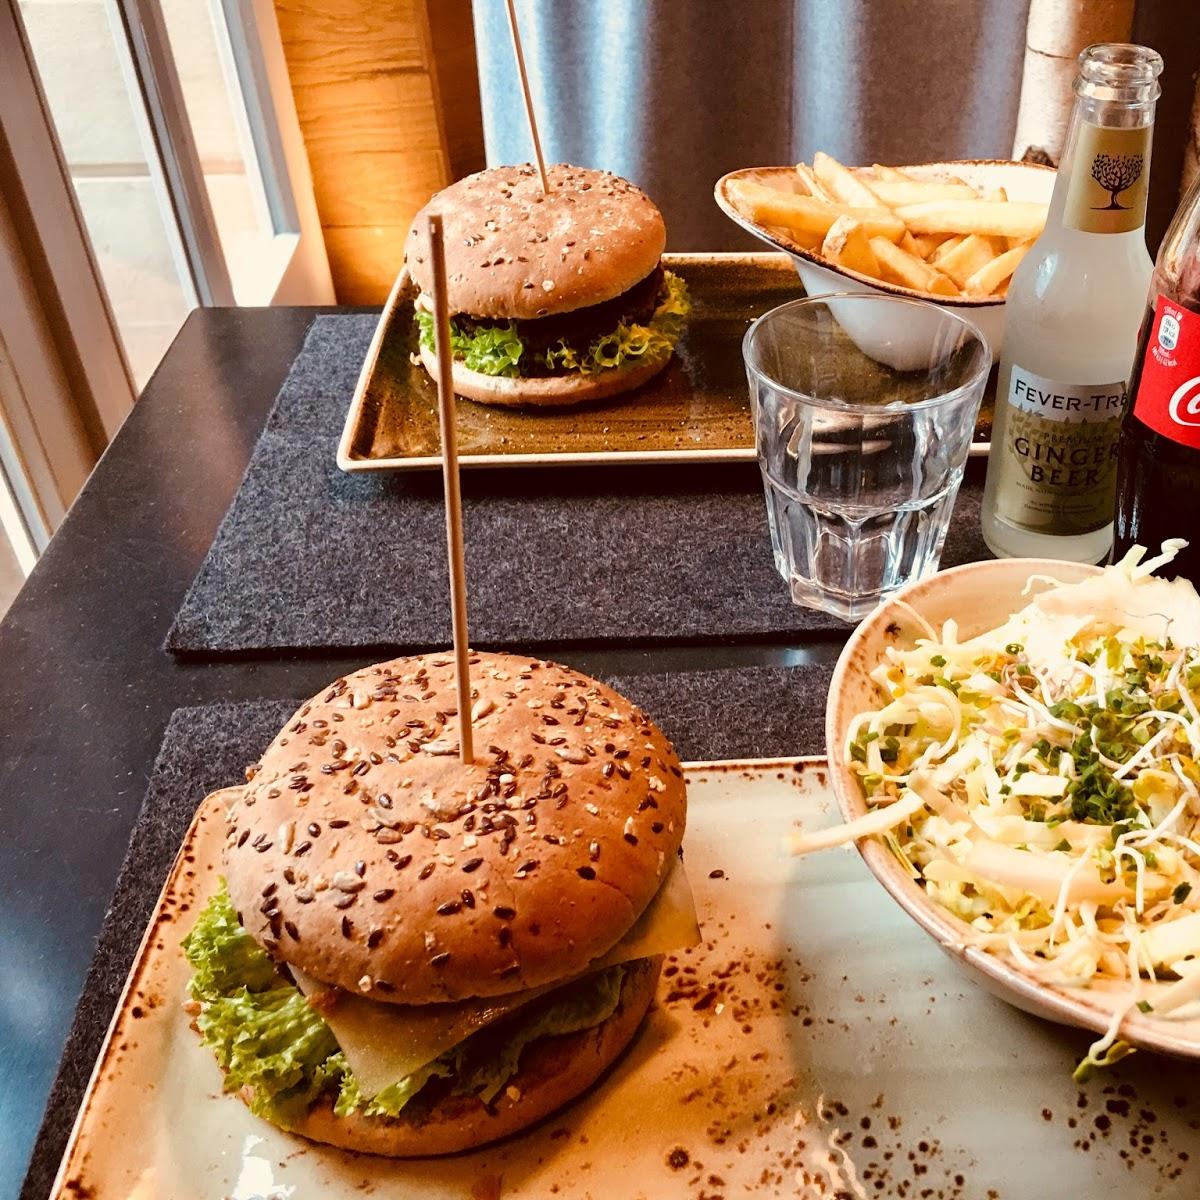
(70, 267)
(291, 267)
(65, 384)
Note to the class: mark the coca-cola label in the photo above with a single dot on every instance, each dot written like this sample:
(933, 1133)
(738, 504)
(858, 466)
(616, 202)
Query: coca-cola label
(1168, 394)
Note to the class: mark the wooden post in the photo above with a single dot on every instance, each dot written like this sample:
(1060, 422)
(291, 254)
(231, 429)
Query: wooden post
(515, 30)
(1056, 32)
(450, 481)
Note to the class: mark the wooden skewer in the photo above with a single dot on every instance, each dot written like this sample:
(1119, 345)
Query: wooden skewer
(450, 482)
(515, 30)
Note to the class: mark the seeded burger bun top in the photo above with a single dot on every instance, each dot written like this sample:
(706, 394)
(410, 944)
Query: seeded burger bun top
(514, 252)
(363, 852)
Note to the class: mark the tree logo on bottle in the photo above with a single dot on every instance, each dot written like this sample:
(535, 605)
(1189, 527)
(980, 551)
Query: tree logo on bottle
(1116, 173)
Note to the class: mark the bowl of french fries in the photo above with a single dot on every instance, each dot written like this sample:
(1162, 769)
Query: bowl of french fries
(948, 232)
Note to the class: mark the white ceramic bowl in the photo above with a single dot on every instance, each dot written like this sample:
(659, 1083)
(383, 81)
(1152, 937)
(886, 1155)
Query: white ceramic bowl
(1021, 181)
(979, 596)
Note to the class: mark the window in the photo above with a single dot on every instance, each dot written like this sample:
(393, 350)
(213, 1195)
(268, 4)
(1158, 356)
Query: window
(156, 164)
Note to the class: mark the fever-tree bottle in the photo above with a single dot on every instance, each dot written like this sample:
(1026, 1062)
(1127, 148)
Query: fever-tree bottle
(1072, 316)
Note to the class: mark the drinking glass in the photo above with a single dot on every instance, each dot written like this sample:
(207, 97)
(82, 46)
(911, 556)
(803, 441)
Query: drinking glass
(864, 411)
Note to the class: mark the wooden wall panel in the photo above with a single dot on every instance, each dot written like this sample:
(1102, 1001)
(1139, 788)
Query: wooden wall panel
(388, 100)
(456, 82)
(374, 147)
(351, 39)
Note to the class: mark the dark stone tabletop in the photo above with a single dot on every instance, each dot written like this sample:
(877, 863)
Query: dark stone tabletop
(87, 690)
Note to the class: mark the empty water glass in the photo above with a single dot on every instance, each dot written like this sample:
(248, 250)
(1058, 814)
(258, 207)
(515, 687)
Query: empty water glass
(864, 412)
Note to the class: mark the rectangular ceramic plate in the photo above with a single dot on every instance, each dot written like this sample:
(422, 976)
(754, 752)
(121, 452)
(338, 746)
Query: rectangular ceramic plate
(817, 1044)
(698, 408)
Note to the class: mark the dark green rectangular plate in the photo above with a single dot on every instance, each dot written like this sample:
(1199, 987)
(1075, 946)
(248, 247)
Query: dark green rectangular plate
(698, 409)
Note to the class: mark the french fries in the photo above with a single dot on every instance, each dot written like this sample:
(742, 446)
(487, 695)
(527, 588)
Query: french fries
(909, 271)
(928, 244)
(946, 247)
(972, 254)
(842, 184)
(847, 244)
(938, 235)
(993, 218)
(894, 192)
(773, 206)
(812, 184)
(995, 272)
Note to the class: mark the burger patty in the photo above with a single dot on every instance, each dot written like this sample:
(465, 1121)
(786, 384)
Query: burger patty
(578, 329)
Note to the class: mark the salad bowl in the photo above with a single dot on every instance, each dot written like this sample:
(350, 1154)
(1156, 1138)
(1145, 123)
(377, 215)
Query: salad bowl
(978, 597)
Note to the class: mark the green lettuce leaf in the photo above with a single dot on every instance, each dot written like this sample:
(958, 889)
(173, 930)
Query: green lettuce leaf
(392, 1100)
(582, 1005)
(274, 1042)
(497, 350)
(223, 955)
(630, 344)
(265, 1035)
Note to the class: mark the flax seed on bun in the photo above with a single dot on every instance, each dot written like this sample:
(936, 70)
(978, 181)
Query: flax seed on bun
(512, 252)
(362, 852)
(555, 298)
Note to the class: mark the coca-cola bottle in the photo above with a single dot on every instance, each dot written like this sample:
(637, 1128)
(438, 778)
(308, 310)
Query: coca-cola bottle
(1158, 475)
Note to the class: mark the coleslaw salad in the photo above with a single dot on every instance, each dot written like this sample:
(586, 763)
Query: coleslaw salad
(1041, 781)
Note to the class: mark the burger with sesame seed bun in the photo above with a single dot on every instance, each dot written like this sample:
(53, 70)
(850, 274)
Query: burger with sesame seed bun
(407, 955)
(555, 298)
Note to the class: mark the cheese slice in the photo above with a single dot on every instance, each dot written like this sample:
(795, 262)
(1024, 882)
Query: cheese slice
(383, 1043)
(668, 923)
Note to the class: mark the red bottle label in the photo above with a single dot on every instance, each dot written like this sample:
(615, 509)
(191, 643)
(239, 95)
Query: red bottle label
(1168, 395)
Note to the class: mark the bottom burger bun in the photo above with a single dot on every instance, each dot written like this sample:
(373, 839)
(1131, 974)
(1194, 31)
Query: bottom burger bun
(545, 391)
(553, 1072)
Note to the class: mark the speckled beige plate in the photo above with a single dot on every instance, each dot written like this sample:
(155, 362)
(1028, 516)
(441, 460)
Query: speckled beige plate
(817, 1044)
(698, 409)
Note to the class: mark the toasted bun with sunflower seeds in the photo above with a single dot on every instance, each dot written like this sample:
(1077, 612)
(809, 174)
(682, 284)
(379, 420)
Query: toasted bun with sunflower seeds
(513, 252)
(555, 297)
(364, 853)
(545, 391)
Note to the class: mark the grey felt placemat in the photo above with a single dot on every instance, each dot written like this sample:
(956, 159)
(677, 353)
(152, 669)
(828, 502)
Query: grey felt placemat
(309, 557)
(745, 712)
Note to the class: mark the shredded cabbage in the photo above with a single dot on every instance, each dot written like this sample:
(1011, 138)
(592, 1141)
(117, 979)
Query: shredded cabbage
(1043, 782)
(498, 349)
(266, 1036)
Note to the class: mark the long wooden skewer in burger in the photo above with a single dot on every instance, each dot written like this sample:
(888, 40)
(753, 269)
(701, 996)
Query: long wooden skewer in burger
(450, 482)
(515, 30)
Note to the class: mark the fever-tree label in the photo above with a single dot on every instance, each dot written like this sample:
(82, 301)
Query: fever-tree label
(1107, 192)
(1058, 459)
(1074, 307)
